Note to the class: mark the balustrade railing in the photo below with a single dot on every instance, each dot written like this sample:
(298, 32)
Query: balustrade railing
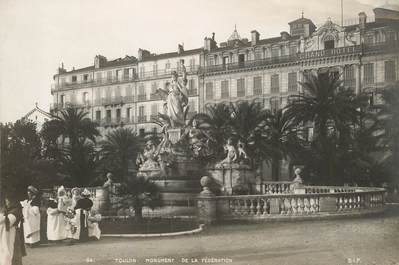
(191, 69)
(93, 82)
(274, 187)
(340, 201)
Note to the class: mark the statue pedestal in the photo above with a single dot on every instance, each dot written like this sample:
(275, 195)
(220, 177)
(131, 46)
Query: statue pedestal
(228, 177)
(174, 135)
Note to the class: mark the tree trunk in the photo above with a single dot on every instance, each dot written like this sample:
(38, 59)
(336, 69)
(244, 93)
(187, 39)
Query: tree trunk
(275, 169)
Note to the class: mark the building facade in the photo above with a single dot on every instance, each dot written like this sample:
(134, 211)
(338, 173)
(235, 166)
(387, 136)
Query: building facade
(122, 92)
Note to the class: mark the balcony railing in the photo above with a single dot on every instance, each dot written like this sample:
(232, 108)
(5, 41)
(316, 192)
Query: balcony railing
(155, 96)
(251, 63)
(386, 46)
(330, 52)
(141, 119)
(167, 72)
(295, 57)
(93, 82)
(142, 97)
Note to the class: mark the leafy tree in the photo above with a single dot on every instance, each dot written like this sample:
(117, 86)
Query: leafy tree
(118, 149)
(21, 158)
(388, 120)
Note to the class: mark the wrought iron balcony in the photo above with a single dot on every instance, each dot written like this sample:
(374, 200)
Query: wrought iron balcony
(191, 69)
(251, 63)
(141, 119)
(155, 96)
(93, 82)
(142, 97)
(128, 99)
(386, 46)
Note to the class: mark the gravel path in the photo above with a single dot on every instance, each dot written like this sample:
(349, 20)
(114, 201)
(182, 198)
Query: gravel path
(373, 240)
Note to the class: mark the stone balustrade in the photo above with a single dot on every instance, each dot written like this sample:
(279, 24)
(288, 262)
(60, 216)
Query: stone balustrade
(318, 201)
(273, 187)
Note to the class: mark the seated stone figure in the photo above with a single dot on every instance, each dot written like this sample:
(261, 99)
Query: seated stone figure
(148, 159)
(231, 152)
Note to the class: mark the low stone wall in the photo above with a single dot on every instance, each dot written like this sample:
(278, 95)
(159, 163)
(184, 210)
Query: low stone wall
(314, 201)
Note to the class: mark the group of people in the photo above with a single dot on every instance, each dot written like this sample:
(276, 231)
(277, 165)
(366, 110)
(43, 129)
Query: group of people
(69, 217)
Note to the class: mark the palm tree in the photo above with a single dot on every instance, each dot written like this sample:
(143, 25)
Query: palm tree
(247, 123)
(77, 155)
(216, 122)
(332, 109)
(119, 147)
(282, 141)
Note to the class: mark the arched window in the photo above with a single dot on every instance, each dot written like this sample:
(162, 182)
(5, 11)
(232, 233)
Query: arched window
(329, 42)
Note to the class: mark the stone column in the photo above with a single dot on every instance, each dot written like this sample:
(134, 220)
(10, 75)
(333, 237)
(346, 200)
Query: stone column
(206, 203)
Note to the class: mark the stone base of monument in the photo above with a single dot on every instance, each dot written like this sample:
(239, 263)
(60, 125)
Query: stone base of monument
(230, 177)
(178, 187)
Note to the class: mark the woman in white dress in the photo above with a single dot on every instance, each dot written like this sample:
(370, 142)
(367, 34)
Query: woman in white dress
(12, 247)
(56, 229)
(31, 213)
(93, 225)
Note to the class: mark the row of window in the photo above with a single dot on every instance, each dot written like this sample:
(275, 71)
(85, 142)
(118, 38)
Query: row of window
(192, 87)
(256, 86)
(127, 73)
(155, 70)
(389, 72)
(348, 77)
(257, 54)
(380, 36)
(158, 108)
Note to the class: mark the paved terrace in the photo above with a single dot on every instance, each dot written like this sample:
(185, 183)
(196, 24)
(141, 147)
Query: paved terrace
(371, 240)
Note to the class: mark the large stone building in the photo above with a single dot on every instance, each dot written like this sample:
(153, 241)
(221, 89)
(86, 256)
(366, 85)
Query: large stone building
(121, 92)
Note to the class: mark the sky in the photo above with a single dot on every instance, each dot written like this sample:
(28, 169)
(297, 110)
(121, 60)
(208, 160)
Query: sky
(37, 36)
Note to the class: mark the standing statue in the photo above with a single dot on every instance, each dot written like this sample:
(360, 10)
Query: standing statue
(176, 99)
(242, 155)
(231, 152)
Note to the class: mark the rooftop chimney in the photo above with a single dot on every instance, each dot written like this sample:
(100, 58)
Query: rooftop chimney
(180, 49)
(210, 43)
(99, 61)
(254, 37)
(143, 54)
(362, 20)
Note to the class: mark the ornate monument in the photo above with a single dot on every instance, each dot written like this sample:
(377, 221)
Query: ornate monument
(172, 164)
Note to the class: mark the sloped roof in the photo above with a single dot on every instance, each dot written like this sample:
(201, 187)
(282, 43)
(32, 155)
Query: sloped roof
(116, 62)
(154, 57)
(45, 113)
(234, 35)
(301, 20)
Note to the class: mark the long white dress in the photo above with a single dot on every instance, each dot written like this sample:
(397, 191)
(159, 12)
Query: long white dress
(56, 225)
(7, 240)
(31, 222)
(93, 226)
